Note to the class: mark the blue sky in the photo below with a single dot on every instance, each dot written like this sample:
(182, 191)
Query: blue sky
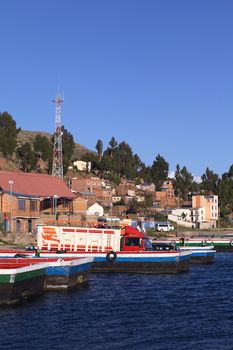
(157, 74)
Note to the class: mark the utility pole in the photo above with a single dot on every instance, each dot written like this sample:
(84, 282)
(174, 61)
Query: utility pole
(11, 216)
(57, 145)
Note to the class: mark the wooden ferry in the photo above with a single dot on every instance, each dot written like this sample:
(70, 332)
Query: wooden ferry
(17, 283)
(125, 250)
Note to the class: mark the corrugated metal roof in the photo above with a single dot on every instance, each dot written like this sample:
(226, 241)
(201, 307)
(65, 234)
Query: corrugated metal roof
(37, 185)
(86, 193)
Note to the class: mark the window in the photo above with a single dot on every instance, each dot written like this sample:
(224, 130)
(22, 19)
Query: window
(132, 241)
(33, 205)
(21, 204)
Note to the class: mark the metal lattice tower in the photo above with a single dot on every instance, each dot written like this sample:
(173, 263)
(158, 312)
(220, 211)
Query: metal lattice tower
(57, 145)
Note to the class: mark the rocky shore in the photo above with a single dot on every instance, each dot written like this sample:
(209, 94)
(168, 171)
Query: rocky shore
(17, 239)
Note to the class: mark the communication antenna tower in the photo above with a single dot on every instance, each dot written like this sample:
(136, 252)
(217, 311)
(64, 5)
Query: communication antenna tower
(57, 145)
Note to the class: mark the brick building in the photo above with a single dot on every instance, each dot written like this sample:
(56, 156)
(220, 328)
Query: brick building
(86, 184)
(125, 187)
(165, 198)
(25, 196)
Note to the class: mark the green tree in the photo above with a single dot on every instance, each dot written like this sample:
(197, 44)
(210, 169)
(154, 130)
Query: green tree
(119, 159)
(183, 182)
(160, 217)
(93, 158)
(133, 207)
(43, 147)
(27, 157)
(8, 134)
(210, 182)
(125, 163)
(68, 146)
(159, 171)
(145, 174)
(225, 192)
(113, 144)
(148, 200)
(113, 178)
(99, 148)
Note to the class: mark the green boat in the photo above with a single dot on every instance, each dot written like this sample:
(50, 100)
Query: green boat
(20, 283)
(224, 244)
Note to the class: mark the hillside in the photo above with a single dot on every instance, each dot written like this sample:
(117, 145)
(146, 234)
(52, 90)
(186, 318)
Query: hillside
(28, 136)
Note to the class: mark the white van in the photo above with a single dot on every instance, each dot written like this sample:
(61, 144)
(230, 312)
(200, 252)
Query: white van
(164, 227)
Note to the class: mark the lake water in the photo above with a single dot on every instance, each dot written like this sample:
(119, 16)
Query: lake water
(193, 310)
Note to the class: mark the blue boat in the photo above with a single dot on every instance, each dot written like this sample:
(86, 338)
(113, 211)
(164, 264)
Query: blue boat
(149, 262)
(200, 254)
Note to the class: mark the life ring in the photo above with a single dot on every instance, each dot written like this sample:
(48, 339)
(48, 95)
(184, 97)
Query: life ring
(203, 243)
(231, 243)
(111, 256)
(61, 251)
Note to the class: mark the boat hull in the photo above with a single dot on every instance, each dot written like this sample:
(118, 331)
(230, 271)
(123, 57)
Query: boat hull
(20, 284)
(200, 255)
(140, 267)
(219, 244)
(67, 276)
(60, 274)
(149, 262)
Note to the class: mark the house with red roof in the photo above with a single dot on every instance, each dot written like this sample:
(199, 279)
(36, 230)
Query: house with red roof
(25, 196)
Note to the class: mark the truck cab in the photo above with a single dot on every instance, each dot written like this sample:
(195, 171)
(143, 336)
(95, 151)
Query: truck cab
(134, 240)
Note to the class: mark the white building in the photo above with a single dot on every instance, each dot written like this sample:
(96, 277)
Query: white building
(82, 166)
(95, 210)
(187, 217)
(202, 214)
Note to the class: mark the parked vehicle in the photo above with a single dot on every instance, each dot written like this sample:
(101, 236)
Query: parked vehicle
(94, 239)
(164, 227)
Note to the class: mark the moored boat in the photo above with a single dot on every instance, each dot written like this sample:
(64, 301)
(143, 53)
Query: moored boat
(149, 262)
(203, 255)
(220, 244)
(198, 254)
(67, 274)
(121, 249)
(17, 283)
(60, 273)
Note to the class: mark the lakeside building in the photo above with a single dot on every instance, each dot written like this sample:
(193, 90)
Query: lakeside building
(24, 197)
(202, 214)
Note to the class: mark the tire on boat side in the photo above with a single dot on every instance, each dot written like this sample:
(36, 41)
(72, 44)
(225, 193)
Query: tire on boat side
(111, 256)
(203, 243)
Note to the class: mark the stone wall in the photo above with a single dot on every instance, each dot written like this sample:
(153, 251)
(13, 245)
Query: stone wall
(18, 239)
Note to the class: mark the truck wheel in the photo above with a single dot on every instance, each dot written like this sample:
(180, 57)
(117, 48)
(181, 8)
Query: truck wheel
(111, 256)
